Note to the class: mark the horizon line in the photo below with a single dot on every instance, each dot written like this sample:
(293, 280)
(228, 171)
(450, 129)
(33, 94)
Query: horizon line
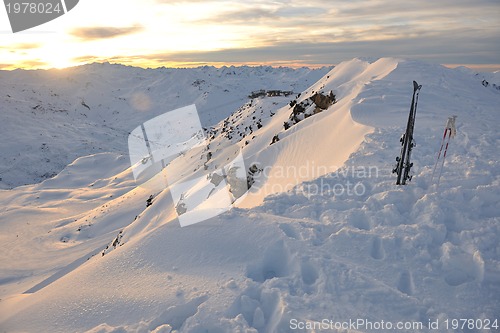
(492, 68)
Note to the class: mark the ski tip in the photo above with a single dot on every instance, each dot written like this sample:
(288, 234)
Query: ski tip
(416, 86)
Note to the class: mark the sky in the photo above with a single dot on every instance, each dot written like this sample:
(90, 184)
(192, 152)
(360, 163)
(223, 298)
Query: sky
(182, 33)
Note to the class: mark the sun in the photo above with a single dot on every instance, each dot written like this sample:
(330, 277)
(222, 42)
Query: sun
(60, 64)
(60, 61)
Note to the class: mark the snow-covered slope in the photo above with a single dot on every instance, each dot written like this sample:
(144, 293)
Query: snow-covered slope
(50, 118)
(88, 250)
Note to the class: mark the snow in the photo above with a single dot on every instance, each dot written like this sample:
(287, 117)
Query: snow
(324, 234)
(90, 109)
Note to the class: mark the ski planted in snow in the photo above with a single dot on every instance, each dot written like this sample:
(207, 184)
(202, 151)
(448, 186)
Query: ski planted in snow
(404, 165)
(450, 131)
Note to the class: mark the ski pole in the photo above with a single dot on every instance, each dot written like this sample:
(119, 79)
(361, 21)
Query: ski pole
(442, 163)
(439, 153)
(452, 131)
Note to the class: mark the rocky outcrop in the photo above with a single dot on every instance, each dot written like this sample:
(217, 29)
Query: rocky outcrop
(302, 110)
(323, 102)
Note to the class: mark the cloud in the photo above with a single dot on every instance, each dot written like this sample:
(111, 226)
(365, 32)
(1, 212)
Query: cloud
(355, 20)
(180, 2)
(432, 47)
(92, 33)
(242, 15)
(88, 59)
(24, 64)
(26, 46)
(238, 12)
(264, 14)
(21, 46)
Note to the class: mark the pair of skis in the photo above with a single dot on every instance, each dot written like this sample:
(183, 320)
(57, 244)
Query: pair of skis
(449, 132)
(403, 166)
